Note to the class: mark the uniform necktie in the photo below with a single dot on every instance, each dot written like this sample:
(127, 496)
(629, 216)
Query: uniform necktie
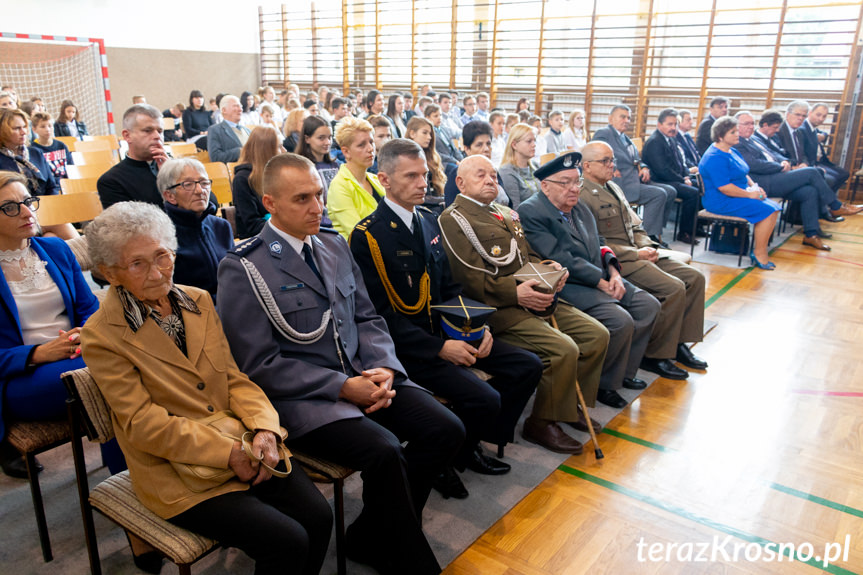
(418, 230)
(307, 255)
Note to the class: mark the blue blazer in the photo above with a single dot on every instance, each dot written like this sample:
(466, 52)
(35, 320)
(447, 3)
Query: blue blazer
(48, 186)
(79, 301)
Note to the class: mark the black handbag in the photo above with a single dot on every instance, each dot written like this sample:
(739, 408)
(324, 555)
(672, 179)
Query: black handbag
(725, 238)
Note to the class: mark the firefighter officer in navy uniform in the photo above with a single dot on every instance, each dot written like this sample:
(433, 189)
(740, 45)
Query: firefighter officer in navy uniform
(406, 271)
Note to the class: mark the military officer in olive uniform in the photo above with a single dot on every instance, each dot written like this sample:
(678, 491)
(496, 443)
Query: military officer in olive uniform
(399, 252)
(486, 246)
(678, 287)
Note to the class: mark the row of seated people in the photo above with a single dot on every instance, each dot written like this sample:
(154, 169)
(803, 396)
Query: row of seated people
(143, 265)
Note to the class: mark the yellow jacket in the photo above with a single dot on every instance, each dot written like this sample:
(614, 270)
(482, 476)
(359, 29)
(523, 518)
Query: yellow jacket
(348, 202)
(156, 394)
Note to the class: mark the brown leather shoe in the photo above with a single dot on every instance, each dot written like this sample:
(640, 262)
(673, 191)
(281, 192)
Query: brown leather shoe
(845, 210)
(581, 423)
(548, 434)
(856, 209)
(817, 243)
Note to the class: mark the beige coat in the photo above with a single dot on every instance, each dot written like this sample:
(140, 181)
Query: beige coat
(156, 394)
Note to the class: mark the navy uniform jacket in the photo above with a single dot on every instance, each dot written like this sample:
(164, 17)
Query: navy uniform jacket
(688, 144)
(303, 381)
(664, 160)
(578, 251)
(405, 259)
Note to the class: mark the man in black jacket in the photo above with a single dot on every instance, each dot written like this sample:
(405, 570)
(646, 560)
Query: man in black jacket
(399, 250)
(718, 108)
(667, 163)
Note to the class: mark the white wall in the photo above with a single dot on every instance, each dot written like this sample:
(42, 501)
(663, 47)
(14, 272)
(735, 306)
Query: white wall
(208, 26)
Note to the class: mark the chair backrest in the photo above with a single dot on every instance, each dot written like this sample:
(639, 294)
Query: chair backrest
(203, 156)
(218, 172)
(230, 214)
(81, 387)
(87, 171)
(113, 141)
(77, 186)
(97, 157)
(168, 124)
(68, 208)
(638, 143)
(545, 158)
(231, 166)
(70, 141)
(93, 146)
(181, 149)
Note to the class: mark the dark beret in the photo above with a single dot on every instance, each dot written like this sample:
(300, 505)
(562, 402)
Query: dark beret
(566, 161)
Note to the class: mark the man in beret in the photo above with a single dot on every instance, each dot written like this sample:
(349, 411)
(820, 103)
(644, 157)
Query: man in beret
(399, 251)
(679, 287)
(486, 247)
(558, 227)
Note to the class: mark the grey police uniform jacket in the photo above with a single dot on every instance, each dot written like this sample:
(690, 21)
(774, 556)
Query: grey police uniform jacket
(303, 380)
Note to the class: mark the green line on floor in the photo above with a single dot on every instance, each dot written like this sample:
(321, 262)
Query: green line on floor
(728, 530)
(638, 440)
(816, 499)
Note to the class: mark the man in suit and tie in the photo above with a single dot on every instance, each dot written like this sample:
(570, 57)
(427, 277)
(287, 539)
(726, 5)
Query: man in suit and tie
(667, 164)
(774, 174)
(633, 176)
(561, 228)
(790, 138)
(718, 108)
(227, 138)
(813, 145)
(301, 325)
(486, 246)
(399, 250)
(677, 286)
(684, 138)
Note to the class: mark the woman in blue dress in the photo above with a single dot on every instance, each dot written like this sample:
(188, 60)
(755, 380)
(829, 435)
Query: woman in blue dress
(729, 191)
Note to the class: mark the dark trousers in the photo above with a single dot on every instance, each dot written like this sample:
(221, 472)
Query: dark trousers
(806, 186)
(396, 480)
(489, 409)
(690, 197)
(836, 176)
(284, 524)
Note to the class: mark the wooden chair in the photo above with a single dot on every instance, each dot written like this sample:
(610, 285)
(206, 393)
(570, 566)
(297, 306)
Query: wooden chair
(78, 186)
(231, 166)
(97, 157)
(87, 171)
(112, 139)
(93, 146)
(638, 143)
(115, 497)
(30, 439)
(68, 208)
(203, 156)
(218, 172)
(70, 141)
(181, 149)
(545, 158)
(168, 124)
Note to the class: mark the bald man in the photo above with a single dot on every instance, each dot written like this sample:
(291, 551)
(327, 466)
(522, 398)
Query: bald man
(486, 246)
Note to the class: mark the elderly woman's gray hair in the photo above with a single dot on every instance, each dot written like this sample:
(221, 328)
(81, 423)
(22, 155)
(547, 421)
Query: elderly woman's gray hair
(123, 223)
(171, 171)
(721, 127)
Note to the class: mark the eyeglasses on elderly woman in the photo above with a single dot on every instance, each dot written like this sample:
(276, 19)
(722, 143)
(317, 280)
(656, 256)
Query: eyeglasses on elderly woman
(141, 267)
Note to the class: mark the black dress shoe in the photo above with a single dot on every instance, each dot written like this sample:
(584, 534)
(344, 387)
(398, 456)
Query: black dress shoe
(611, 398)
(17, 468)
(360, 549)
(485, 465)
(634, 383)
(700, 232)
(686, 238)
(664, 368)
(831, 218)
(448, 484)
(823, 235)
(689, 359)
(661, 243)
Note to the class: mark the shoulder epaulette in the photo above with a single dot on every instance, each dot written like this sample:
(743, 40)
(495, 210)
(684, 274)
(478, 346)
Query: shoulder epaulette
(366, 222)
(247, 246)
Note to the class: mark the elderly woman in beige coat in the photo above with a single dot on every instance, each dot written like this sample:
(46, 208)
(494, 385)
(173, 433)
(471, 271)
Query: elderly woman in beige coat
(160, 358)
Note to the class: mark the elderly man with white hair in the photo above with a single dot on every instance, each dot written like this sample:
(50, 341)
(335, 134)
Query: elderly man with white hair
(227, 138)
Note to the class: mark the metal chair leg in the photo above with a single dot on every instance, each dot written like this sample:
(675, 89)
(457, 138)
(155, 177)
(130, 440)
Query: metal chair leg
(339, 497)
(38, 506)
(83, 490)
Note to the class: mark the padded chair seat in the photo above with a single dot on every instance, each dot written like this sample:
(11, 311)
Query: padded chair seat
(26, 436)
(116, 498)
(712, 216)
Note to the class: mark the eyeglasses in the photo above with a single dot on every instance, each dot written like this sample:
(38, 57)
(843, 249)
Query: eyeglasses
(605, 161)
(140, 268)
(568, 184)
(191, 185)
(12, 209)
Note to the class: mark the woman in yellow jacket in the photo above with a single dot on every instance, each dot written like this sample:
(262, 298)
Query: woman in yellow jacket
(354, 193)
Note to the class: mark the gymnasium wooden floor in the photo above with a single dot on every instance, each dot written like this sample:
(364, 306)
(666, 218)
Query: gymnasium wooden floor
(765, 448)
